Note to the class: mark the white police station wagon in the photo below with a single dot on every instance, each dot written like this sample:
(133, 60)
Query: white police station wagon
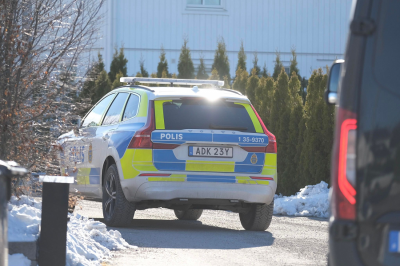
(185, 149)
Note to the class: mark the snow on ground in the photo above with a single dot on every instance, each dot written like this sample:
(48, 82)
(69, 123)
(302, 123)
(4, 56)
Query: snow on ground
(312, 200)
(88, 241)
(24, 216)
(18, 260)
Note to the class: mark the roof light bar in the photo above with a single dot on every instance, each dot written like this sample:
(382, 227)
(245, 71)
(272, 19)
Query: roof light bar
(218, 83)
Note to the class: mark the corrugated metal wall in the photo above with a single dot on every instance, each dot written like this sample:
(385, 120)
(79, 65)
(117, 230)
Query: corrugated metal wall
(316, 28)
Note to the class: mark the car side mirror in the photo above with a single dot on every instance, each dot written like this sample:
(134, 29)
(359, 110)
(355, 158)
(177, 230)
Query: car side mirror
(331, 92)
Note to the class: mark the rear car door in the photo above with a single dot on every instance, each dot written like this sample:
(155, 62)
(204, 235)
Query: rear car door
(85, 145)
(105, 138)
(219, 141)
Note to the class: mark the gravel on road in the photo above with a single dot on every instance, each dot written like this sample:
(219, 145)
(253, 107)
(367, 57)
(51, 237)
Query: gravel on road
(217, 239)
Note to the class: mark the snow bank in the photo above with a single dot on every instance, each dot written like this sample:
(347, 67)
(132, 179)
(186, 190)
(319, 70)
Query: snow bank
(312, 200)
(24, 216)
(88, 241)
(18, 260)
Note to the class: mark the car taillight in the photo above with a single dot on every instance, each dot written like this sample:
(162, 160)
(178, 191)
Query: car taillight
(142, 138)
(344, 167)
(271, 147)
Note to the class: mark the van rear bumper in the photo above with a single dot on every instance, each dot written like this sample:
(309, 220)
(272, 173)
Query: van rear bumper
(249, 193)
(342, 251)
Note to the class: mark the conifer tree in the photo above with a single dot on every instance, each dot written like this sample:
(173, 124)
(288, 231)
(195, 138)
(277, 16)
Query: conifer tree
(163, 64)
(226, 83)
(139, 74)
(260, 90)
(255, 65)
(293, 64)
(241, 58)
(164, 74)
(289, 174)
(318, 135)
(214, 75)
(201, 72)
(265, 94)
(88, 88)
(221, 62)
(118, 64)
(174, 76)
(280, 117)
(251, 86)
(116, 82)
(264, 72)
(278, 66)
(102, 85)
(237, 82)
(143, 71)
(303, 89)
(185, 64)
(280, 100)
(241, 80)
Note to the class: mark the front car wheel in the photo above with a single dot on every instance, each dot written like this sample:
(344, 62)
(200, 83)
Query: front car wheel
(117, 211)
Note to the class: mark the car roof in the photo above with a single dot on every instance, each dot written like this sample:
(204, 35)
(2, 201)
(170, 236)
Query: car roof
(182, 92)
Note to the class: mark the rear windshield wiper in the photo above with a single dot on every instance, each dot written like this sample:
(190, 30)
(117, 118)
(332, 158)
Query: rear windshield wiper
(228, 128)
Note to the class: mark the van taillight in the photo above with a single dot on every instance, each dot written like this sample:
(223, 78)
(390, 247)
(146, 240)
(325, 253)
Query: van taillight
(271, 147)
(344, 167)
(142, 138)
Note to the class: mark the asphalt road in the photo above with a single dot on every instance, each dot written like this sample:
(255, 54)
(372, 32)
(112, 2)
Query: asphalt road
(217, 239)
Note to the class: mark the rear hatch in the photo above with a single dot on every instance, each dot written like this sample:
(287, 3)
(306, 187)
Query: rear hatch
(198, 135)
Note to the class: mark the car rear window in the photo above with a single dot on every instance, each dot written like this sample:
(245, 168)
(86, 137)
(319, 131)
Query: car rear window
(203, 114)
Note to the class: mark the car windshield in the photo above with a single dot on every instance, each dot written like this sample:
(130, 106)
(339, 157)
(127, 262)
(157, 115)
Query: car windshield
(203, 114)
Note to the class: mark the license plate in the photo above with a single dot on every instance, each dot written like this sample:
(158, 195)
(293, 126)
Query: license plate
(394, 241)
(203, 151)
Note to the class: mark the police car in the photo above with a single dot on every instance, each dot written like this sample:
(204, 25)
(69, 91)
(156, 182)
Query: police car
(182, 148)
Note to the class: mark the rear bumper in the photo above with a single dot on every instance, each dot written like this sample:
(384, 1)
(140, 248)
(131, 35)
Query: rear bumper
(138, 189)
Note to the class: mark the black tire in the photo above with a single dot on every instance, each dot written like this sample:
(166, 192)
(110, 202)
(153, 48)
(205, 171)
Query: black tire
(117, 211)
(258, 218)
(193, 214)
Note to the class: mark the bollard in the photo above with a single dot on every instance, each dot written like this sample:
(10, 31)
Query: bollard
(53, 234)
(7, 171)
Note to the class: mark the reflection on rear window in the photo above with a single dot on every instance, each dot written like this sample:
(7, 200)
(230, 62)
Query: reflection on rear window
(202, 114)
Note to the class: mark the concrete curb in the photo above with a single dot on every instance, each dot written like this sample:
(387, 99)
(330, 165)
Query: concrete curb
(29, 249)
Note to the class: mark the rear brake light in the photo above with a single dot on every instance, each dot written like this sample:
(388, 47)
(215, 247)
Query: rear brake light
(271, 147)
(154, 174)
(262, 177)
(142, 138)
(344, 167)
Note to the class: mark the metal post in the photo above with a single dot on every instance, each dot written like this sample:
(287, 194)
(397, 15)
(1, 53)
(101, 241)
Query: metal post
(53, 234)
(7, 170)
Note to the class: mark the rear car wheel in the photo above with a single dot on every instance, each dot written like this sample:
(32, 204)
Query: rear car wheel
(258, 217)
(188, 214)
(117, 211)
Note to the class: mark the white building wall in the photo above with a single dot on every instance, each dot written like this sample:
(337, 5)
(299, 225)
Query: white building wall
(316, 28)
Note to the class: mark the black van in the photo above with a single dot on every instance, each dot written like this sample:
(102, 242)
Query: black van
(365, 201)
